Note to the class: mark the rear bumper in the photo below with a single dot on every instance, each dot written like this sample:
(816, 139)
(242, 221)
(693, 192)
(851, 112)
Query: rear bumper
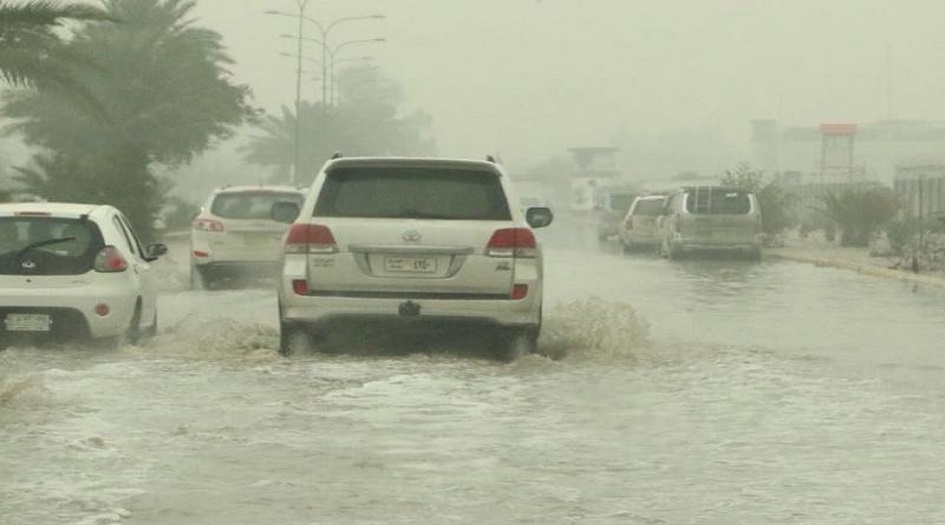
(410, 310)
(239, 268)
(72, 311)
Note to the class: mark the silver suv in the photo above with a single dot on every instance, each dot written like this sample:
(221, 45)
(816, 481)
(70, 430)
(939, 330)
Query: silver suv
(414, 242)
(710, 219)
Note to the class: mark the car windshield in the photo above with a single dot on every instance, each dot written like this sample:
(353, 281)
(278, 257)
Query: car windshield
(250, 204)
(718, 201)
(420, 193)
(648, 207)
(47, 246)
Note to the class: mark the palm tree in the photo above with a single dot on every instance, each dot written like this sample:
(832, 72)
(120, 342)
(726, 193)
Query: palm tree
(31, 53)
(164, 96)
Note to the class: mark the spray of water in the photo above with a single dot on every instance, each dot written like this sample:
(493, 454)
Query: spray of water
(592, 328)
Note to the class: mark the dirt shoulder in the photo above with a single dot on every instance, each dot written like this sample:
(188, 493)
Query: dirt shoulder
(856, 259)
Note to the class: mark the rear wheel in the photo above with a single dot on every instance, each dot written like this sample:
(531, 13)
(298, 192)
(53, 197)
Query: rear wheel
(515, 343)
(133, 333)
(196, 279)
(297, 339)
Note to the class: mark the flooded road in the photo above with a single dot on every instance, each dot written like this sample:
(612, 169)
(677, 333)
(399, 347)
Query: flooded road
(687, 392)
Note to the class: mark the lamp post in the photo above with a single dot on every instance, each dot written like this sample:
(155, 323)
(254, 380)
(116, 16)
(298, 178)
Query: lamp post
(297, 146)
(324, 30)
(329, 61)
(334, 51)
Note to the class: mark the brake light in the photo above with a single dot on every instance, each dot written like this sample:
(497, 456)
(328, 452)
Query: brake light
(309, 238)
(519, 291)
(300, 286)
(512, 242)
(207, 225)
(33, 214)
(109, 260)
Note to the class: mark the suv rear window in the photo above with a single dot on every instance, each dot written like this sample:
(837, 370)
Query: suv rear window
(718, 201)
(250, 204)
(648, 207)
(420, 193)
(48, 246)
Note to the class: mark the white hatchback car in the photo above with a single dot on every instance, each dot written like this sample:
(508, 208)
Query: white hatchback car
(233, 237)
(74, 271)
(415, 242)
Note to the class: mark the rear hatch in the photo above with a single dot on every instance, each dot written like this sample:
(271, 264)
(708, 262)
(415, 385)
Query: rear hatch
(47, 251)
(416, 231)
(720, 215)
(249, 234)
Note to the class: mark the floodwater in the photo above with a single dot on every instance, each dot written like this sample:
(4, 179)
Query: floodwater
(713, 392)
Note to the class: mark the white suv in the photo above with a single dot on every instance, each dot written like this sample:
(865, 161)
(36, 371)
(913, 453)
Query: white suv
(416, 242)
(233, 236)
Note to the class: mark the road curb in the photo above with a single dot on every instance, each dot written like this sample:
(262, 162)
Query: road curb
(863, 268)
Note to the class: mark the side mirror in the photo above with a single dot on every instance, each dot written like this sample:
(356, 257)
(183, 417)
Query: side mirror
(285, 212)
(538, 217)
(155, 250)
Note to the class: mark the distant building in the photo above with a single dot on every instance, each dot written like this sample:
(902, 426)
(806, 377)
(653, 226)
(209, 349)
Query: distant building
(835, 153)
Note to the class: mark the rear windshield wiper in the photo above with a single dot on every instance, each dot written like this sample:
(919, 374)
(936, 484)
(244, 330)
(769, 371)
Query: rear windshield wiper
(38, 244)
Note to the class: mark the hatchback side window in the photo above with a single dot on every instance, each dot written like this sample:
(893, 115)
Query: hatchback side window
(132, 238)
(129, 245)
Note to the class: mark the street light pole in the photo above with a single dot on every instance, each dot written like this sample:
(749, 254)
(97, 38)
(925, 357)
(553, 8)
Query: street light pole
(331, 71)
(325, 31)
(294, 175)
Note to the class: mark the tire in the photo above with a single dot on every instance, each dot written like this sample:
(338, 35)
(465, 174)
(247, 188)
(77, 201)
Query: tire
(296, 340)
(196, 278)
(133, 333)
(516, 343)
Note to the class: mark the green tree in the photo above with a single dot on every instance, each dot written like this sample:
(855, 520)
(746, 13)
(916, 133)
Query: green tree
(777, 204)
(365, 122)
(165, 96)
(860, 211)
(31, 53)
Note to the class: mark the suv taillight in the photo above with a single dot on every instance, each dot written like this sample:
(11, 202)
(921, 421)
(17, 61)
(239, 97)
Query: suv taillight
(207, 225)
(512, 242)
(309, 238)
(110, 260)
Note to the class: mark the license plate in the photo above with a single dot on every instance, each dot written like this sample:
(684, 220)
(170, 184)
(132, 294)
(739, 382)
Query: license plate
(27, 322)
(410, 264)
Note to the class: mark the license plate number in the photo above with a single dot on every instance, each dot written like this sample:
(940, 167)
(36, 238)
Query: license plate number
(410, 264)
(27, 322)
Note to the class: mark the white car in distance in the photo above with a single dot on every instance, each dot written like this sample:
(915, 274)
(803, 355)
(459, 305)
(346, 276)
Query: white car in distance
(411, 243)
(233, 238)
(639, 228)
(74, 271)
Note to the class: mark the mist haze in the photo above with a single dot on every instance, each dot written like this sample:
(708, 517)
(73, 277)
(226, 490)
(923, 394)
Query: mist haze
(528, 79)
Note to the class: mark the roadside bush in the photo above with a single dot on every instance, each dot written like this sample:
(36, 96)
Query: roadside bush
(777, 204)
(861, 211)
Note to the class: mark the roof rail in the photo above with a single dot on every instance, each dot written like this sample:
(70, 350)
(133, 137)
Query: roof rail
(336, 155)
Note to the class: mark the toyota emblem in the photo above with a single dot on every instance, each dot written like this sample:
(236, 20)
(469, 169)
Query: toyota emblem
(412, 236)
(28, 265)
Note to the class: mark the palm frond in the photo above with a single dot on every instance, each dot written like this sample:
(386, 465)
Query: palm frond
(47, 13)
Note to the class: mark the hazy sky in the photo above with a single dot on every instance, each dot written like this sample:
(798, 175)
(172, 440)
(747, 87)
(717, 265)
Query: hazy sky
(529, 78)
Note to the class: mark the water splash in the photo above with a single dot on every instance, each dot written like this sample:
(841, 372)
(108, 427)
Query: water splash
(594, 328)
